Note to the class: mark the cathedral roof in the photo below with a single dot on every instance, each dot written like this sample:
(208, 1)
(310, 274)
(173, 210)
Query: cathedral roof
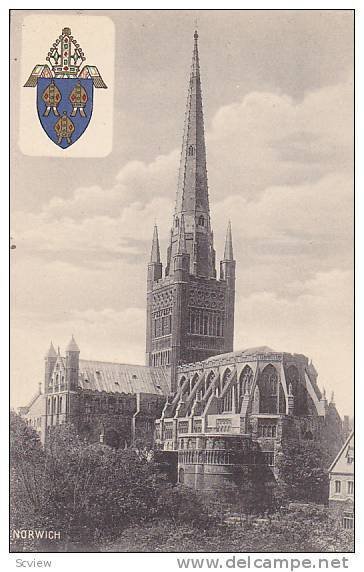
(247, 352)
(122, 378)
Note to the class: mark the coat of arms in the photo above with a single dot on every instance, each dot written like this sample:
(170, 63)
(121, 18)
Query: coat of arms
(65, 91)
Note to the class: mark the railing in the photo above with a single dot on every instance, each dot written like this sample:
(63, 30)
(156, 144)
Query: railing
(205, 457)
(235, 430)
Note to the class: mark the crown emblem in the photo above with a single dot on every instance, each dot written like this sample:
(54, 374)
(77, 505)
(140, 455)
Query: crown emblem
(65, 55)
(65, 90)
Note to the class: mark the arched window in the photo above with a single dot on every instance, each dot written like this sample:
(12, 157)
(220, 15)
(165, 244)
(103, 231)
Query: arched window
(181, 476)
(246, 380)
(226, 377)
(176, 222)
(191, 151)
(201, 220)
(268, 390)
(209, 379)
(228, 401)
(298, 390)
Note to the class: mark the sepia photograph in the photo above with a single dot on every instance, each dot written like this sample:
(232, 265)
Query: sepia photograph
(182, 281)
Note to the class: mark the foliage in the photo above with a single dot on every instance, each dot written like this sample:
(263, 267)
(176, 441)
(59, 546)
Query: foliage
(105, 499)
(302, 473)
(303, 530)
(89, 492)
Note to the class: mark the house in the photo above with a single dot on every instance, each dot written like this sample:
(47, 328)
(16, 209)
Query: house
(341, 473)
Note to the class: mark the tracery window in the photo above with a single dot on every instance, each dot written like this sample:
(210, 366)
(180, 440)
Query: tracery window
(209, 379)
(168, 431)
(162, 322)
(246, 380)
(269, 458)
(226, 376)
(205, 322)
(268, 390)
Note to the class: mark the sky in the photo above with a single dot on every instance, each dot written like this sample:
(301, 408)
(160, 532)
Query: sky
(278, 104)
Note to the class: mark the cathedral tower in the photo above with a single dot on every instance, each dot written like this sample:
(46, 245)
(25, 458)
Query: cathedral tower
(190, 313)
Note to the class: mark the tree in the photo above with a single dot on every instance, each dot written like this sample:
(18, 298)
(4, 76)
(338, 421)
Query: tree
(301, 472)
(87, 491)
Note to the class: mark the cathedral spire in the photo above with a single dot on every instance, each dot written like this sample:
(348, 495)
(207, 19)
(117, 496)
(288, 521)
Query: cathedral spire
(155, 253)
(228, 252)
(192, 200)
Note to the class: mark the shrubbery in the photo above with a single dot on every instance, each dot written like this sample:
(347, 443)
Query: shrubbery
(106, 499)
(89, 492)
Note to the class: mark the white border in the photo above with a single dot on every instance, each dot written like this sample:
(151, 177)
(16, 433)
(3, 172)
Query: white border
(164, 562)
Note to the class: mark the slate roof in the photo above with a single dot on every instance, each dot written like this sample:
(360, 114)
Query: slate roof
(348, 444)
(248, 352)
(122, 378)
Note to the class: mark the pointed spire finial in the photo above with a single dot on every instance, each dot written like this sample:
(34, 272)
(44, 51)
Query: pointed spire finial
(155, 252)
(181, 240)
(228, 252)
(72, 346)
(51, 353)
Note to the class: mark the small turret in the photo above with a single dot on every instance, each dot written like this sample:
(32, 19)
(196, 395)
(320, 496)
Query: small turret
(227, 265)
(228, 252)
(155, 265)
(50, 361)
(72, 363)
(227, 273)
(51, 353)
(72, 346)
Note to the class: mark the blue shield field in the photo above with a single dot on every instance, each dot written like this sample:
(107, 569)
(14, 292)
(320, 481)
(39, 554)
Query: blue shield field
(64, 116)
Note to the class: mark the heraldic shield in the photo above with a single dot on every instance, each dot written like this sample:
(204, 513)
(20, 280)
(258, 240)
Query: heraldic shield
(65, 91)
(64, 108)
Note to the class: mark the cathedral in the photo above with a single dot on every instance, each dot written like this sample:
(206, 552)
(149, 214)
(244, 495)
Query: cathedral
(221, 417)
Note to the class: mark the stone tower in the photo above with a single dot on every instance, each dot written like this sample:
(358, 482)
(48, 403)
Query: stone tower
(190, 313)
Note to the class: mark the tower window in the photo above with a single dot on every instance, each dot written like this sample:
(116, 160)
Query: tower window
(201, 220)
(191, 151)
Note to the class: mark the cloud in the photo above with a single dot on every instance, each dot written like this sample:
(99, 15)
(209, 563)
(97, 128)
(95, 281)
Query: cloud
(317, 321)
(280, 169)
(107, 335)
